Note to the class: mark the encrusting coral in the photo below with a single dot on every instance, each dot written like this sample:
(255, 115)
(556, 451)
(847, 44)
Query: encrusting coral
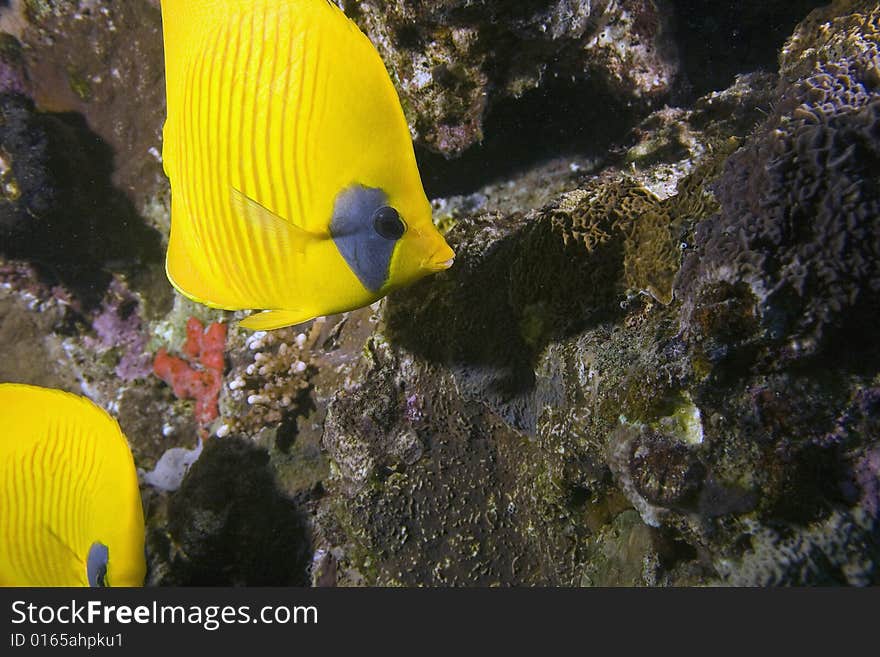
(800, 212)
(199, 376)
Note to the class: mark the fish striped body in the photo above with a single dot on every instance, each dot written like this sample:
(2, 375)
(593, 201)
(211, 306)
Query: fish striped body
(286, 102)
(67, 481)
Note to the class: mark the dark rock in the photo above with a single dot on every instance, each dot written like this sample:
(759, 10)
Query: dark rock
(59, 207)
(453, 59)
(665, 471)
(228, 525)
(104, 60)
(732, 38)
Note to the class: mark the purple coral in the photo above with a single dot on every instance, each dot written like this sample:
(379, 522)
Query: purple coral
(118, 326)
(414, 410)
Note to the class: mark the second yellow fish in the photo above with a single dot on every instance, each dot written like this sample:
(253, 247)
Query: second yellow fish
(70, 507)
(294, 186)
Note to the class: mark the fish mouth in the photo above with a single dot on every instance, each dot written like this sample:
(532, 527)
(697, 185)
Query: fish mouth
(435, 265)
(440, 260)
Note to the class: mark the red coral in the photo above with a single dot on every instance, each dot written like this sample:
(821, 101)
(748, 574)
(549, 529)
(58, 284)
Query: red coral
(200, 375)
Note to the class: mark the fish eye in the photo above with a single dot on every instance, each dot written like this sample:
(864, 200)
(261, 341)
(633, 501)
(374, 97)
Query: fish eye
(387, 222)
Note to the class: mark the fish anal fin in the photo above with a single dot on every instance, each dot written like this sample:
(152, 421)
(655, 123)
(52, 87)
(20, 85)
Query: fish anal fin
(274, 319)
(263, 221)
(181, 270)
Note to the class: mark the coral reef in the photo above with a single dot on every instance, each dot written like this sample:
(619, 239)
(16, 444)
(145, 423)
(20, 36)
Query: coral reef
(268, 382)
(843, 30)
(60, 209)
(199, 375)
(652, 364)
(802, 205)
(453, 59)
(698, 412)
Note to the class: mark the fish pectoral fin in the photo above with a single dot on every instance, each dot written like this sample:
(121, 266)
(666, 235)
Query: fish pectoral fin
(274, 319)
(260, 218)
(63, 543)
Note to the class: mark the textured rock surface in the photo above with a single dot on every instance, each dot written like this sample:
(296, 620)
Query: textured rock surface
(104, 60)
(738, 459)
(453, 59)
(58, 205)
(799, 222)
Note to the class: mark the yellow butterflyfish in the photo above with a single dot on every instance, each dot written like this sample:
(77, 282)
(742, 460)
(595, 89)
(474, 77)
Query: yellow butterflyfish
(294, 185)
(70, 507)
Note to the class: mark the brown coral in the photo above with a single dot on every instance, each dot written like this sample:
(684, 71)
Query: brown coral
(845, 29)
(269, 379)
(800, 220)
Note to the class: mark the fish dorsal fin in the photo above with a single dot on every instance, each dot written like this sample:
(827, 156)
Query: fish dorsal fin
(290, 237)
(274, 319)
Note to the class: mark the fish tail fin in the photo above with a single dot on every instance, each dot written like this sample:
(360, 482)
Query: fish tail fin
(274, 319)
